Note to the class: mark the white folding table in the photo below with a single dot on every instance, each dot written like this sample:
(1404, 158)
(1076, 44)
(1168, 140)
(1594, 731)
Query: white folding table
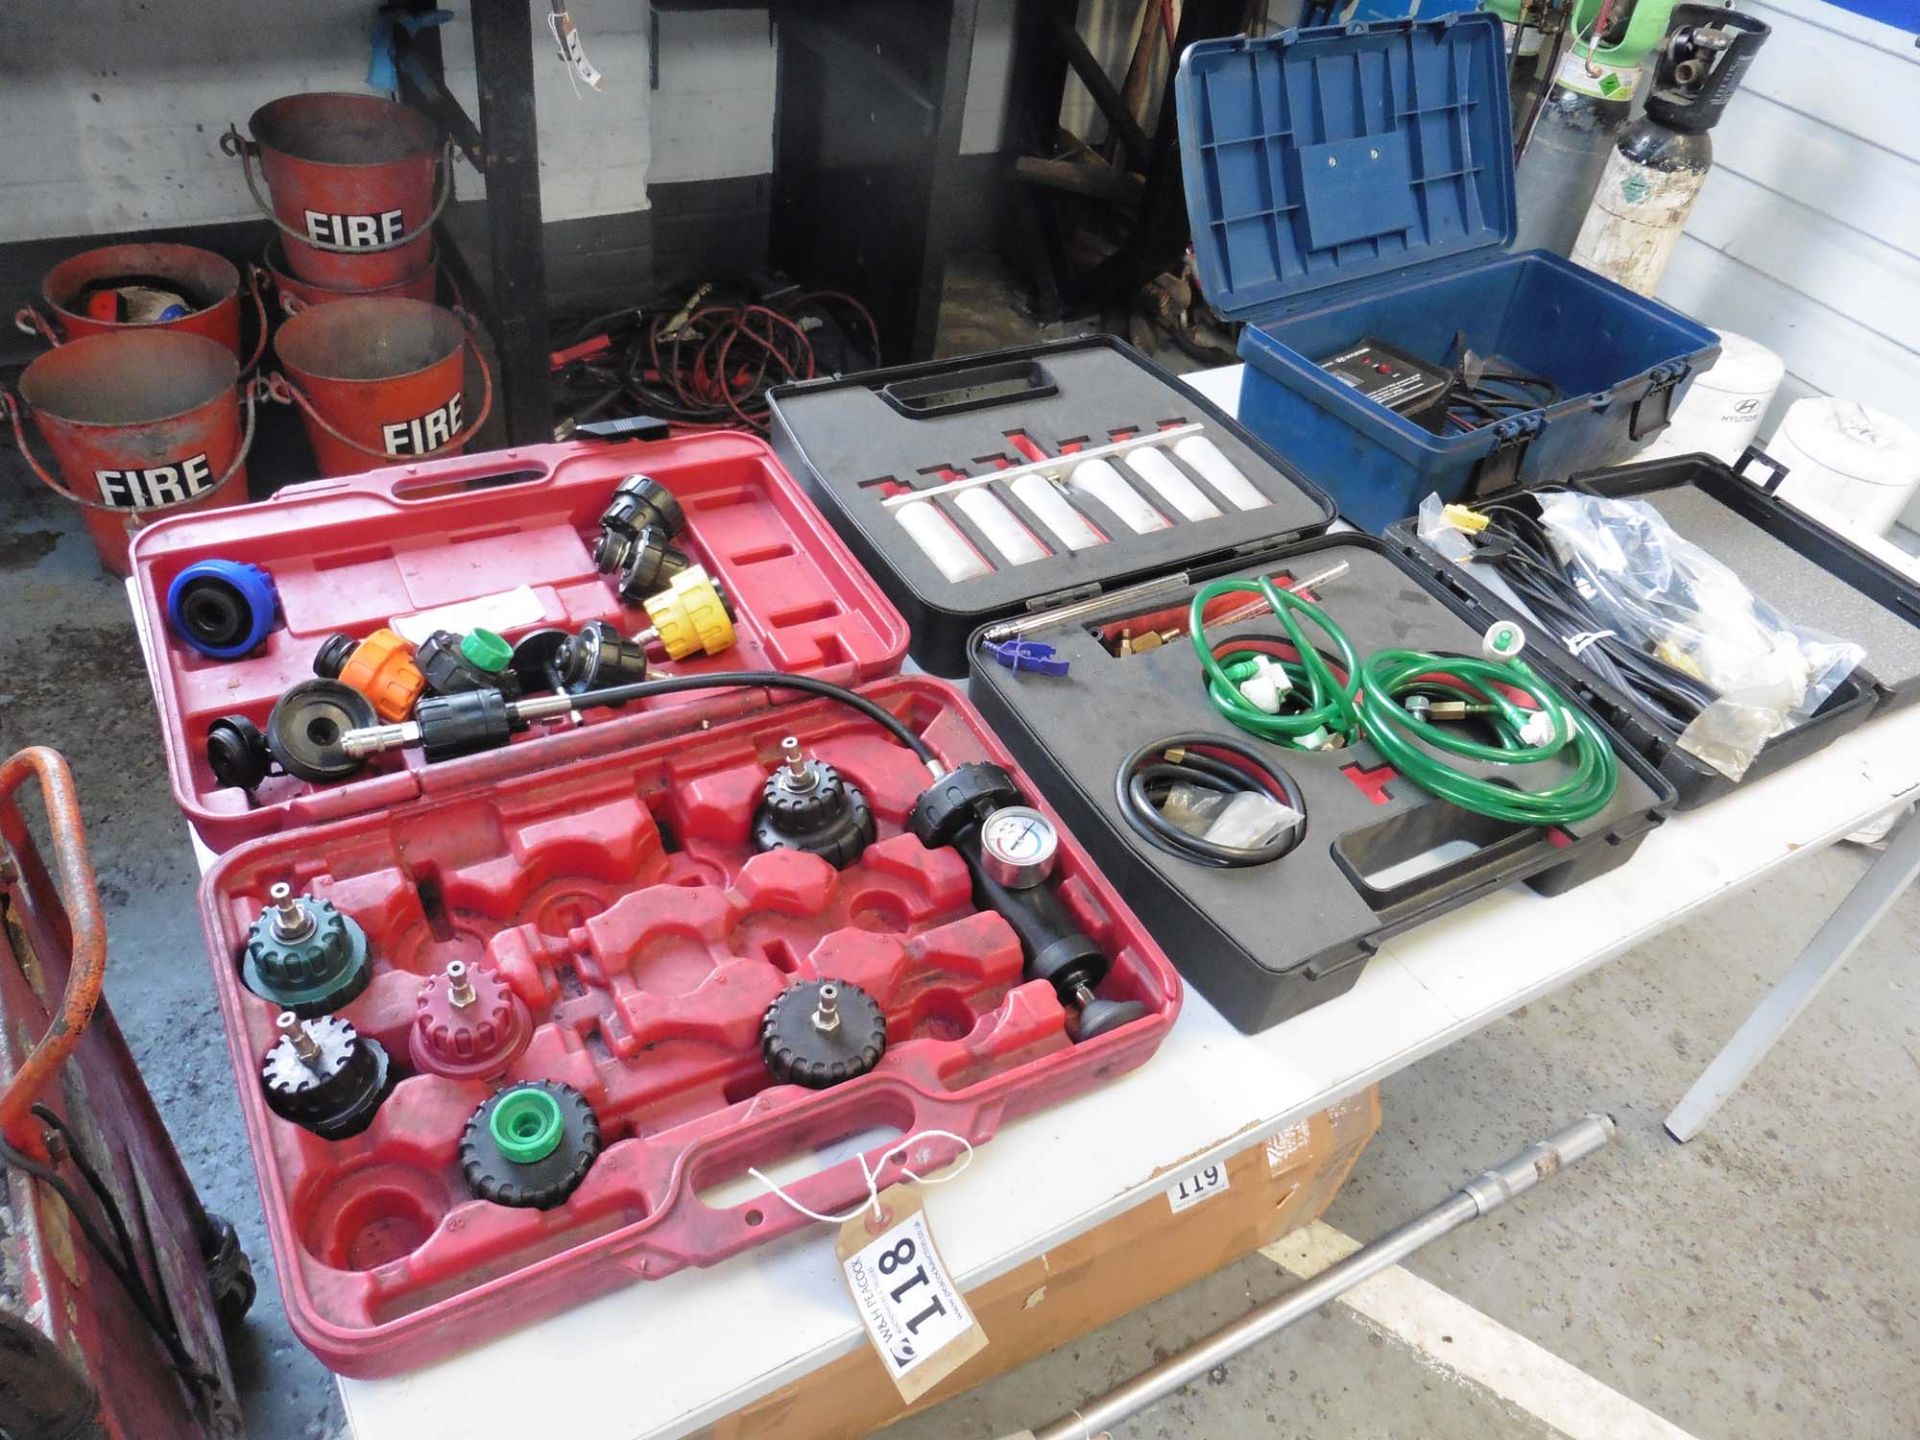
(665, 1357)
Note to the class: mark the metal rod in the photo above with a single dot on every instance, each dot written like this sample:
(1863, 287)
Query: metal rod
(1479, 1196)
(1050, 465)
(1006, 629)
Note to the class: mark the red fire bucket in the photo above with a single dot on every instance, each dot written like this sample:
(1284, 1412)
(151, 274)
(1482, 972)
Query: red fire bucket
(297, 294)
(208, 283)
(378, 380)
(147, 421)
(352, 183)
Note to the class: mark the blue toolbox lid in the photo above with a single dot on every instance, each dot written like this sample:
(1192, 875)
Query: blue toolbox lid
(1316, 158)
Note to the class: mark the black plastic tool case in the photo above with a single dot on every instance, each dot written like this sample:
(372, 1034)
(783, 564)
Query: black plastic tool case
(1380, 855)
(1806, 570)
(853, 441)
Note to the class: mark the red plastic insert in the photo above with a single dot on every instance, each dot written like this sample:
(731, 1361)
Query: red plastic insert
(619, 900)
(351, 554)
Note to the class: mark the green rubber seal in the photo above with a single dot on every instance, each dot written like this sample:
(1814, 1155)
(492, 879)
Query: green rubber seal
(527, 1125)
(487, 650)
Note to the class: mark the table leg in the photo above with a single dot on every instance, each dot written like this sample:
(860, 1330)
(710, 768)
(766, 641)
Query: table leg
(1837, 939)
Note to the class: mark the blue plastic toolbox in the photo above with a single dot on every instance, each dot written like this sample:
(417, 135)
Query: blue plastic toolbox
(1355, 182)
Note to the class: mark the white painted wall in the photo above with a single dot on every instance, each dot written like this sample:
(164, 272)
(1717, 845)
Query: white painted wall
(1807, 234)
(111, 110)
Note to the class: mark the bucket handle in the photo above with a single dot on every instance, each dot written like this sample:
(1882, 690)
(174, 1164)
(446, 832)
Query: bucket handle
(236, 144)
(11, 408)
(256, 281)
(277, 387)
(29, 321)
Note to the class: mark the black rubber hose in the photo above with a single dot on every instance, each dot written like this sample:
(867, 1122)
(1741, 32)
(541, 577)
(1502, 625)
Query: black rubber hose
(759, 679)
(1138, 784)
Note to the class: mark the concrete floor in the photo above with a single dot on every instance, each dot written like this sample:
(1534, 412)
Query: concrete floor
(1762, 1282)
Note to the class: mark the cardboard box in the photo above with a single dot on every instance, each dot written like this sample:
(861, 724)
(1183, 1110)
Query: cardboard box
(1285, 1181)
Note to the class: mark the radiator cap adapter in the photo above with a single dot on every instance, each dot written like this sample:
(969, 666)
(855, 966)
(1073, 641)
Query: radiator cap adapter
(237, 753)
(304, 730)
(324, 1075)
(304, 955)
(530, 1146)
(820, 1033)
(808, 805)
(222, 608)
(468, 1023)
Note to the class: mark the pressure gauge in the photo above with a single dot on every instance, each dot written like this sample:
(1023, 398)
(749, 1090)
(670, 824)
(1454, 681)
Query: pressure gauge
(1017, 846)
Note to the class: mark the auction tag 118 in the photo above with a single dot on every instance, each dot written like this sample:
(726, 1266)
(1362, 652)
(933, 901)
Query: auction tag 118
(913, 1312)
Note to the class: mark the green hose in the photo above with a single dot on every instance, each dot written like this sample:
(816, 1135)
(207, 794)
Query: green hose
(1389, 678)
(1320, 707)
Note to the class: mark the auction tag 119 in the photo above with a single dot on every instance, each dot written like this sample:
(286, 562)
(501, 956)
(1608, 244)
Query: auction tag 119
(913, 1312)
(1197, 1185)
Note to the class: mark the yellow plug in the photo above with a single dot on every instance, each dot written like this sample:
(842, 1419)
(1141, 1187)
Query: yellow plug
(689, 616)
(1463, 518)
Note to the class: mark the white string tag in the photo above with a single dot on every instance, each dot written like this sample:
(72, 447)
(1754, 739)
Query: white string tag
(1578, 643)
(896, 1154)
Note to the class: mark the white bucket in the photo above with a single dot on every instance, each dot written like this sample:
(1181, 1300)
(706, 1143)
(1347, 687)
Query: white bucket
(1722, 409)
(1844, 458)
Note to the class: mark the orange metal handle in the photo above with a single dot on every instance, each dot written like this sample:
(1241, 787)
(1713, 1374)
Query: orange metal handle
(81, 899)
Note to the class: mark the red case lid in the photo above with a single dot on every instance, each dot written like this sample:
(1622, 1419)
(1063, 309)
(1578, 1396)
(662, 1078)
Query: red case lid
(352, 554)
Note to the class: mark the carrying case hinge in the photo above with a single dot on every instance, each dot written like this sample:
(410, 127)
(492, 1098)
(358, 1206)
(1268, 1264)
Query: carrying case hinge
(1662, 382)
(1499, 468)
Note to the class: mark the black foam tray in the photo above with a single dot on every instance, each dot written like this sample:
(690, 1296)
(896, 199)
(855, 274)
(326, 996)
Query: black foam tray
(1806, 570)
(1268, 942)
(845, 437)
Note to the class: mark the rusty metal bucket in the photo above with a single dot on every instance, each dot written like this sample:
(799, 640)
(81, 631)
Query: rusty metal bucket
(209, 283)
(379, 379)
(297, 294)
(147, 420)
(352, 185)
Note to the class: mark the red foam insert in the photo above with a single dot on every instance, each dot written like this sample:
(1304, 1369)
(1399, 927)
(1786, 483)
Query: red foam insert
(351, 554)
(618, 897)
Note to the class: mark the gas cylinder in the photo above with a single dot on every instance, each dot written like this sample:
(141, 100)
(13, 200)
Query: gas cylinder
(1588, 104)
(1660, 161)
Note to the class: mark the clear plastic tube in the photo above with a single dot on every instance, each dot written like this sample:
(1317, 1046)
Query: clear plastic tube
(1068, 525)
(1099, 481)
(1170, 483)
(1219, 472)
(1000, 525)
(940, 541)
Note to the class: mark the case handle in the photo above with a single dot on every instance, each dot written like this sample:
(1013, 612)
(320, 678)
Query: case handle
(977, 387)
(838, 1187)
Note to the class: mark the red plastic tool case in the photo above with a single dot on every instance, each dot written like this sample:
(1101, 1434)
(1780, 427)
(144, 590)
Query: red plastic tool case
(604, 873)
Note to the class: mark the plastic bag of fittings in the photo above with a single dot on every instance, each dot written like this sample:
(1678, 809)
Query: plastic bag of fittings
(1670, 596)
(1440, 533)
(1244, 820)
